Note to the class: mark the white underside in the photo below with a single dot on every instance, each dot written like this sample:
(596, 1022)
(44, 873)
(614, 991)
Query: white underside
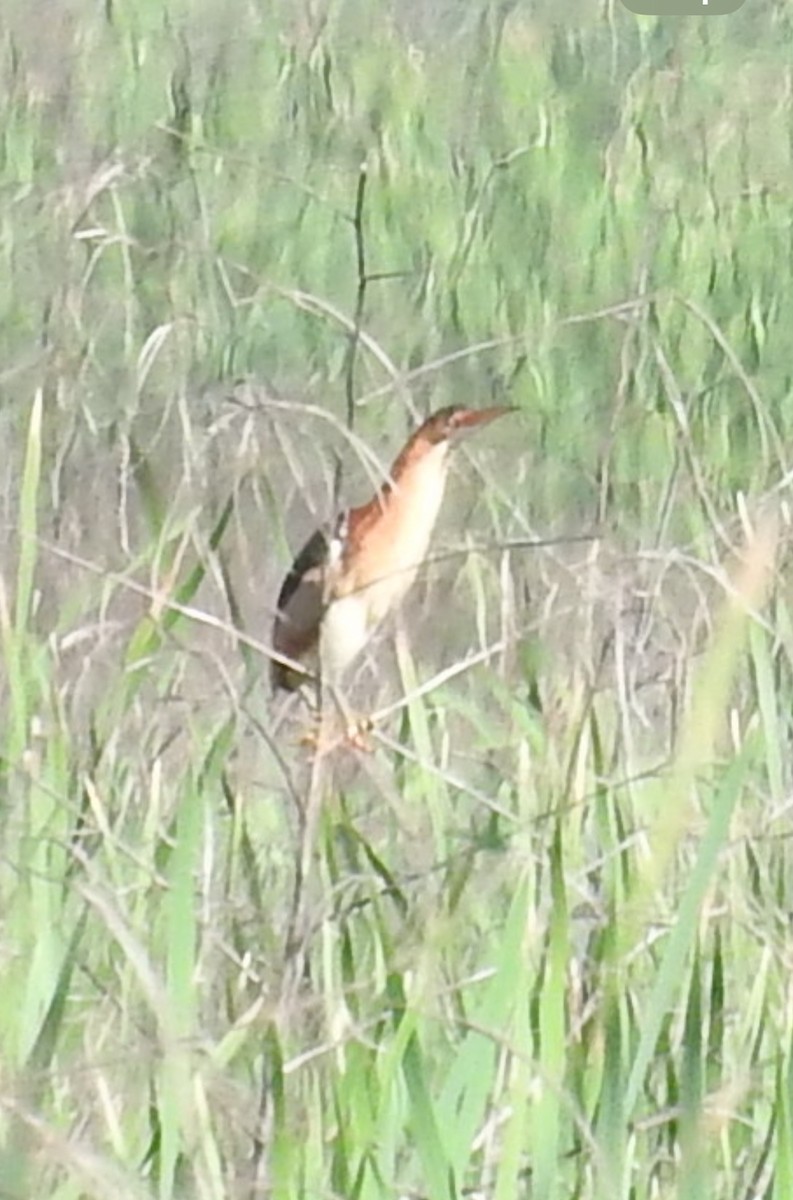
(345, 632)
(351, 620)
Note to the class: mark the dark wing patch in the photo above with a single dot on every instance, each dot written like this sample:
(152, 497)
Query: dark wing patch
(301, 604)
(312, 557)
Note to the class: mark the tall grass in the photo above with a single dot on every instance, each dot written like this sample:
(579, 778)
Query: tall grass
(535, 942)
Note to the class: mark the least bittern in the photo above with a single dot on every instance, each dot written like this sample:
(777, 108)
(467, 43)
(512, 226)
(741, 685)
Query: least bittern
(348, 577)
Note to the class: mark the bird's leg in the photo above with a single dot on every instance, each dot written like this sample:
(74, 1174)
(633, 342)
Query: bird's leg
(356, 725)
(326, 737)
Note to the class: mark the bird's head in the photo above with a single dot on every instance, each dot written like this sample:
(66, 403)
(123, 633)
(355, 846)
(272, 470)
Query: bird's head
(431, 442)
(447, 424)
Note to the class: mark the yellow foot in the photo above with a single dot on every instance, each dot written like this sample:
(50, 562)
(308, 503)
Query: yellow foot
(325, 738)
(357, 734)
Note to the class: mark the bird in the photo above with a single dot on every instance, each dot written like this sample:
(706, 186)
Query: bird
(352, 573)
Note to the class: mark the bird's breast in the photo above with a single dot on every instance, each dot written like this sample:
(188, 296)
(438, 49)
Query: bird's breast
(394, 546)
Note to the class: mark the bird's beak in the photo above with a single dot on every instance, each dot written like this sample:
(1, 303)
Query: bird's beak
(467, 419)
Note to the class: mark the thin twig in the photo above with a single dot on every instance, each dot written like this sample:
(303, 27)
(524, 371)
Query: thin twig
(676, 402)
(201, 617)
(437, 680)
(355, 335)
(620, 311)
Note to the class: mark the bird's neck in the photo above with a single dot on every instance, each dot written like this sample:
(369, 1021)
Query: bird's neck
(420, 464)
(417, 484)
(407, 505)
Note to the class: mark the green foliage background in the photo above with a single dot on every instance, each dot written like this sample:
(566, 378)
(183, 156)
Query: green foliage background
(537, 942)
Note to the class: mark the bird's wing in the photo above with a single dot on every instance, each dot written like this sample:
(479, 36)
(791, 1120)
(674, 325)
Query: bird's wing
(303, 599)
(310, 563)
